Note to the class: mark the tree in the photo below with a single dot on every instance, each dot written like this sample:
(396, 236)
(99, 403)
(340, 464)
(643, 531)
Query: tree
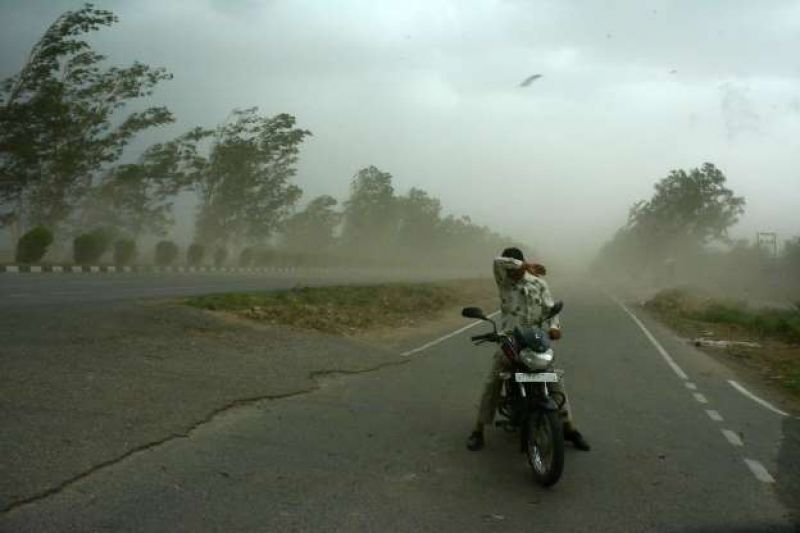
(195, 254)
(89, 247)
(418, 221)
(312, 229)
(692, 208)
(220, 255)
(139, 197)
(791, 257)
(462, 240)
(370, 213)
(245, 189)
(688, 211)
(124, 251)
(32, 246)
(59, 120)
(166, 253)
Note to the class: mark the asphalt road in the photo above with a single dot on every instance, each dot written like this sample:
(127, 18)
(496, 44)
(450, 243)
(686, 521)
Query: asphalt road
(385, 451)
(37, 289)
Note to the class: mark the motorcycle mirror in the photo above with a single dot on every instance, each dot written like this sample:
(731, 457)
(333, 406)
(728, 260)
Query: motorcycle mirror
(474, 312)
(557, 307)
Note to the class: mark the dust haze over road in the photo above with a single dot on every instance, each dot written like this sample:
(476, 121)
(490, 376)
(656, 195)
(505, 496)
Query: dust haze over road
(429, 92)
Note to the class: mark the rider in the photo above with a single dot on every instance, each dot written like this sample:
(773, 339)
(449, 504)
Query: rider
(524, 298)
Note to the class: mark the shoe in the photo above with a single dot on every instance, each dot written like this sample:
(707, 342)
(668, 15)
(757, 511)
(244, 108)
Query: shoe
(577, 440)
(475, 441)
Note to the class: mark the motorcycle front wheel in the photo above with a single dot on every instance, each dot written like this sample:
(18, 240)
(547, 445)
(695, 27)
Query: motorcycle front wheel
(544, 446)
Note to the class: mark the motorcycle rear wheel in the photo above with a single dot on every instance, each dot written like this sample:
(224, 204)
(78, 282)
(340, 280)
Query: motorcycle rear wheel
(544, 446)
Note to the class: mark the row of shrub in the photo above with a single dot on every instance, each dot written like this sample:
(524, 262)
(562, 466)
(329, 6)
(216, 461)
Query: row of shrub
(88, 248)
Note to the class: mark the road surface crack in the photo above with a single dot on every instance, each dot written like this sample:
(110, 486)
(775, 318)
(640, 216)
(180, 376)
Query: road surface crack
(239, 403)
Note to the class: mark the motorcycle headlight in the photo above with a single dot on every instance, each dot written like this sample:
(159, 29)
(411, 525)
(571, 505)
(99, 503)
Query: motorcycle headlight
(536, 360)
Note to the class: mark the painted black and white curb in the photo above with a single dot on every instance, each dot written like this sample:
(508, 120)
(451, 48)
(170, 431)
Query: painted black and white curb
(94, 269)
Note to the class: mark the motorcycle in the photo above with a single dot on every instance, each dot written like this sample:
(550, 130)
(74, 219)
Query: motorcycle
(527, 404)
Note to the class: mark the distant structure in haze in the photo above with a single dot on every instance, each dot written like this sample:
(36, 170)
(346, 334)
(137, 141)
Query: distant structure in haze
(768, 241)
(530, 79)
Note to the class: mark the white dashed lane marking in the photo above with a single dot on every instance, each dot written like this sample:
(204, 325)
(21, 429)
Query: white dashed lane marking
(443, 337)
(699, 397)
(732, 437)
(759, 471)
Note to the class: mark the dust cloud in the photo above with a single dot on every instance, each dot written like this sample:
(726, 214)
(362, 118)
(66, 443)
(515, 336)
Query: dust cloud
(429, 134)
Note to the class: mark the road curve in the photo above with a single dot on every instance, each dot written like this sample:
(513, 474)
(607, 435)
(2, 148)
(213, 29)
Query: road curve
(43, 289)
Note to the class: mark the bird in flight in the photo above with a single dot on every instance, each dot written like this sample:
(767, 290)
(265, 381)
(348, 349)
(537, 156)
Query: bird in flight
(530, 79)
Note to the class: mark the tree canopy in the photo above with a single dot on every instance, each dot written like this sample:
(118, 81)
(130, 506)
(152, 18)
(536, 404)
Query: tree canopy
(693, 207)
(312, 230)
(61, 122)
(688, 210)
(245, 189)
(370, 212)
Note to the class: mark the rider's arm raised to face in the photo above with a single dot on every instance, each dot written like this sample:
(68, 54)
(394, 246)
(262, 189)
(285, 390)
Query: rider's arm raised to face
(504, 270)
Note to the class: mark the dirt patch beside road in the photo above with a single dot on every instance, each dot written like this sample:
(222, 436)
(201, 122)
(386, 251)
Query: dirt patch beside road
(763, 341)
(353, 311)
(392, 316)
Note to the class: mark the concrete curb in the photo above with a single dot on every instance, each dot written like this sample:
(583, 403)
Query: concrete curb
(107, 269)
(185, 270)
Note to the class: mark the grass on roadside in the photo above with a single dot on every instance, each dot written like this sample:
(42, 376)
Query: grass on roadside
(348, 309)
(776, 330)
(769, 323)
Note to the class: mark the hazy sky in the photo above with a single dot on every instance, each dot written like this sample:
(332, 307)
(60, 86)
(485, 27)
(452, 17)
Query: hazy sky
(428, 90)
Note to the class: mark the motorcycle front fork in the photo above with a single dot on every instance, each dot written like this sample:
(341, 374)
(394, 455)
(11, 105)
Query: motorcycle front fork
(525, 395)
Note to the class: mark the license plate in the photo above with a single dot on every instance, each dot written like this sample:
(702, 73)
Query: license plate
(541, 377)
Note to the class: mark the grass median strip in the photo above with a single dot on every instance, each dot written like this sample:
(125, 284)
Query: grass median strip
(349, 309)
(764, 339)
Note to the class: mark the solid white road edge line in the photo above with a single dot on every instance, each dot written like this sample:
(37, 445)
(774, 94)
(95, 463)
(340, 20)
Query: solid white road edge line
(671, 362)
(755, 467)
(444, 338)
(732, 437)
(756, 399)
(759, 471)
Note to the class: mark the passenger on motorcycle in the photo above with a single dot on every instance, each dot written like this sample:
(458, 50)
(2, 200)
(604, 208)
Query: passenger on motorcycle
(524, 300)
